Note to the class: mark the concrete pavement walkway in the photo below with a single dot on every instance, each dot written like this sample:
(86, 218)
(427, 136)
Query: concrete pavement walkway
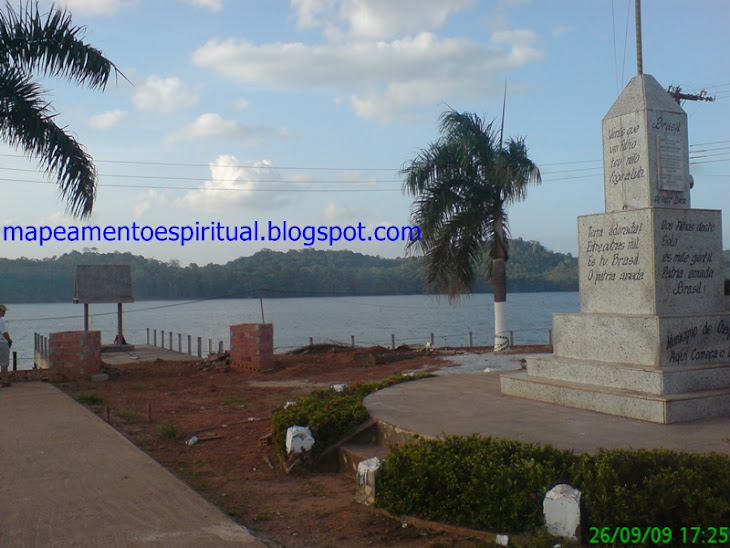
(69, 479)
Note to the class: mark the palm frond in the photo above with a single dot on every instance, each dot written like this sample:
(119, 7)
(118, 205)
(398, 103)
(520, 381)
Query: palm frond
(26, 121)
(52, 46)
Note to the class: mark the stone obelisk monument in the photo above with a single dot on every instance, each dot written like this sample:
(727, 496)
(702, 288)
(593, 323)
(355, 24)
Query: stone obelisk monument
(652, 338)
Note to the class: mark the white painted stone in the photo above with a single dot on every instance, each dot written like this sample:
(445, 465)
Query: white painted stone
(561, 509)
(298, 439)
(339, 387)
(288, 404)
(366, 472)
(502, 540)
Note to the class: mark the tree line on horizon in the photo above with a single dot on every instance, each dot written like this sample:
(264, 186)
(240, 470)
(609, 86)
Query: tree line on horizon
(267, 273)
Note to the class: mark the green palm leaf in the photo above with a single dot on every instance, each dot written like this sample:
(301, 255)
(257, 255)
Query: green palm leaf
(49, 45)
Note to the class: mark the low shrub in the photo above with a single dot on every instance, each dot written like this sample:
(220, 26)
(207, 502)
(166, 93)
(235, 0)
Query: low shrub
(479, 482)
(499, 485)
(330, 415)
(90, 398)
(645, 488)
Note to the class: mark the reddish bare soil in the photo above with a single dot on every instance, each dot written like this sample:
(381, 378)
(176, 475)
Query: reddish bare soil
(233, 469)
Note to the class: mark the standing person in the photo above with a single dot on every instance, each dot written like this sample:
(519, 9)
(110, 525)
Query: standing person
(5, 342)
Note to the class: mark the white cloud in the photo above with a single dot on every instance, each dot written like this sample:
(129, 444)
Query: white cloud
(148, 199)
(212, 5)
(560, 30)
(205, 126)
(301, 180)
(233, 184)
(94, 7)
(107, 120)
(158, 94)
(374, 18)
(336, 212)
(241, 104)
(381, 78)
(213, 125)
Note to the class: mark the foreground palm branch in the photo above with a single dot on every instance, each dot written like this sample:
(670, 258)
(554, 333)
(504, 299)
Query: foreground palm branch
(48, 45)
(462, 185)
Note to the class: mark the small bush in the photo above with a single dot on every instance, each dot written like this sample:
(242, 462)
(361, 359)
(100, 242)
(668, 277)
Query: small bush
(330, 415)
(167, 431)
(90, 398)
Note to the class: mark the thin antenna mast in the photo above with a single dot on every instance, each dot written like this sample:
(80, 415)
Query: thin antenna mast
(504, 106)
(639, 56)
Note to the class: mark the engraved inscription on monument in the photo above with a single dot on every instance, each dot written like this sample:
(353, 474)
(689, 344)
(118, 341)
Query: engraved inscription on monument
(688, 261)
(671, 154)
(615, 260)
(624, 143)
(651, 261)
(704, 341)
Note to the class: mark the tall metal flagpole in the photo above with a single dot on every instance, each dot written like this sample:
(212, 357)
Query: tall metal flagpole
(639, 57)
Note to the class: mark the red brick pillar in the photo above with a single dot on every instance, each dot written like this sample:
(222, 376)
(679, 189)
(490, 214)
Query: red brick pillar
(252, 345)
(74, 354)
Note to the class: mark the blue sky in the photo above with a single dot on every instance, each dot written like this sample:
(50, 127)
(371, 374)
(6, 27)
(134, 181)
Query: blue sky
(242, 110)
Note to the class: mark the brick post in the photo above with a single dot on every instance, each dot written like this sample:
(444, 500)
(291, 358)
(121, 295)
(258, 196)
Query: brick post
(74, 354)
(252, 346)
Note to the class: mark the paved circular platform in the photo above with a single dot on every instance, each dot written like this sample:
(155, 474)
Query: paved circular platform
(471, 403)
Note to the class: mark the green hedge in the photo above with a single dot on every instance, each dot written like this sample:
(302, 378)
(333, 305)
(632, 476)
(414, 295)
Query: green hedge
(484, 483)
(656, 487)
(330, 415)
(499, 485)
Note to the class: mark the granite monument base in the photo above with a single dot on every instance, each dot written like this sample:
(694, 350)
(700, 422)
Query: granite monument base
(665, 369)
(624, 402)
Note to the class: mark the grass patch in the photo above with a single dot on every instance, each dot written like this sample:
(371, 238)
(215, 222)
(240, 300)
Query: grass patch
(90, 398)
(234, 401)
(167, 431)
(124, 414)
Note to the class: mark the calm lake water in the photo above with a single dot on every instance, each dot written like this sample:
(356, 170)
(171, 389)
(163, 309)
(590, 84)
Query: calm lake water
(370, 319)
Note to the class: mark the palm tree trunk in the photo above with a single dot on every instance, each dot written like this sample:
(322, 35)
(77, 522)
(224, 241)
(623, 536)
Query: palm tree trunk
(499, 283)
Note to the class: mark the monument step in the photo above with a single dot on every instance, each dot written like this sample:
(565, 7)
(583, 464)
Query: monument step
(621, 402)
(636, 377)
(352, 454)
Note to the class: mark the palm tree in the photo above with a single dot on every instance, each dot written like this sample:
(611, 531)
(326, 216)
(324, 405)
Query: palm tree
(463, 184)
(48, 44)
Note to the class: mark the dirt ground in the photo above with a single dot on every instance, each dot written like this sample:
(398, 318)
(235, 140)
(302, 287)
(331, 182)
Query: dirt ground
(161, 405)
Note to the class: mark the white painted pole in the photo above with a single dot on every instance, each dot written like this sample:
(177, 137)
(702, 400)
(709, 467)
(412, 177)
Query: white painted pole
(501, 334)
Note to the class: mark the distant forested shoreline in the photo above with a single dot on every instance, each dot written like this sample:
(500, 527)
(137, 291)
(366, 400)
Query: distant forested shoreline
(296, 273)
